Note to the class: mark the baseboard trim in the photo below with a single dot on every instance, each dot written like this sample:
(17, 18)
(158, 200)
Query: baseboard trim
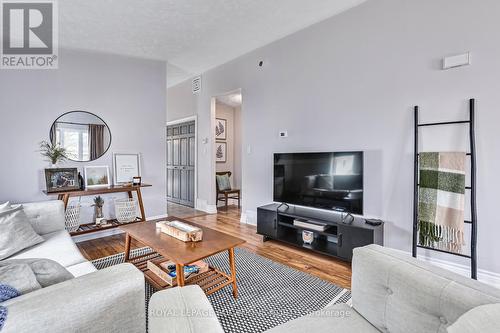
(484, 276)
(203, 205)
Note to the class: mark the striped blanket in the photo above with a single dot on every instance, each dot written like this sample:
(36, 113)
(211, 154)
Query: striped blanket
(441, 200)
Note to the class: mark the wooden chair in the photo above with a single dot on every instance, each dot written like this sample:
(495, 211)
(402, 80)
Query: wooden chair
(226, 194)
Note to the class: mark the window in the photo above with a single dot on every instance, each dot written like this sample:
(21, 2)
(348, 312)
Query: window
(75, 138)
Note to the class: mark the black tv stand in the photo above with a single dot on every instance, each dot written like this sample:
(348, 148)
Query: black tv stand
(337, 240)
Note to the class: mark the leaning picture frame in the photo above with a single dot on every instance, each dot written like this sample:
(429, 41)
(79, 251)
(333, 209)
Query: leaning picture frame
(97, 176)
(61, 180)
(126, 167)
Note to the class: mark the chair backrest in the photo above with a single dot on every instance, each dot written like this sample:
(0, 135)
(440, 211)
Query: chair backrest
(221, 173)
(397, 293)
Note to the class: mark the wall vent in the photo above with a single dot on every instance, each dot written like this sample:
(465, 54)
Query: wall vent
(196, 85)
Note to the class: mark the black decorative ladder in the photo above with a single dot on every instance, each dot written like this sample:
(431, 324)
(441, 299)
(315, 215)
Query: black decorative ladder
(472, 188)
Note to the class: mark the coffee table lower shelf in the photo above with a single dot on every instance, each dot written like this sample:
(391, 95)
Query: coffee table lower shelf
(211, 281)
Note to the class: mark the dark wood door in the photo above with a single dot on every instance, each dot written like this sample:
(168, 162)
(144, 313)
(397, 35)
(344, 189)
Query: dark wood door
(181, 150)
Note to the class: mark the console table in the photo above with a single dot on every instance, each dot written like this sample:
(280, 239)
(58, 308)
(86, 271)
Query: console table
(92, 227)
(338, 239)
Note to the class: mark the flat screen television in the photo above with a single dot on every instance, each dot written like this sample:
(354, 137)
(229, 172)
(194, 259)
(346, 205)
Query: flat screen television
(330, 181)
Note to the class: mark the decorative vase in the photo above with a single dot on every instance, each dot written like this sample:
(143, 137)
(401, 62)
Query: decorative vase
(98, 215)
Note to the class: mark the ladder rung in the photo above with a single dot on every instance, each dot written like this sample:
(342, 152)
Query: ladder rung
(466, 187)
(443, 251)
(467, 154)
(445, 123)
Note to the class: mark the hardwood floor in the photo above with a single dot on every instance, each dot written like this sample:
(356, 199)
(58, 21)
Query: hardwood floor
(324, 267)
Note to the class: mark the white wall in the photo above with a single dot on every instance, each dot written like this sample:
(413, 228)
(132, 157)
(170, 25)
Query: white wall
(128, 94)
(350, 83)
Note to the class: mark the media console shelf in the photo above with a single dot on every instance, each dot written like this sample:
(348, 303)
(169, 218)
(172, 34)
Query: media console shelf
(337, 240)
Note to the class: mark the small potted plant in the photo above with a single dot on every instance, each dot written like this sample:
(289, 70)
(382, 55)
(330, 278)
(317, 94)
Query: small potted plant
(53, 152)
(98, 204)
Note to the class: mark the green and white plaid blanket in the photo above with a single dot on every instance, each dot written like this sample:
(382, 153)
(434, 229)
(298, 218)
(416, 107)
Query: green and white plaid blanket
(441, 200)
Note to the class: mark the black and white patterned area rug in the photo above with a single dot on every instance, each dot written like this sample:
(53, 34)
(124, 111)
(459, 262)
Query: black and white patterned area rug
(269, 293)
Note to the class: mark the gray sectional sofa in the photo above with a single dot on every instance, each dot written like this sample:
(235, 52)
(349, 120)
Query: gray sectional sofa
(391, 292)
(109, 300)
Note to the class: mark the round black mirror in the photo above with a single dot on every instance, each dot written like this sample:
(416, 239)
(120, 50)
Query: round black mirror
(85, 136)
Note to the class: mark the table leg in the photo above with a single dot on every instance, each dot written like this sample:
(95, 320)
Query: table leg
(65, 199)
(141, 205)
(180, 274)
(233, 272)
(127, 247)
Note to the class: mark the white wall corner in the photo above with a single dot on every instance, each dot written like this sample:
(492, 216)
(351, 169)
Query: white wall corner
(250, 217)
(202, 204)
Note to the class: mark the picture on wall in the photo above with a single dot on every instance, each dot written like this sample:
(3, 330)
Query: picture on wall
(126, 167)
(220, 129)
(61, 179)
(97, 176)
(220, 152)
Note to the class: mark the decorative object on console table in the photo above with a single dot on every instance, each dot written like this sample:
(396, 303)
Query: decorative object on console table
(72, 217)
(220, 129)
(136, 181)
(98, 214)
(126, 210)
(61, 179)
(111, 223)
(53, 152)
(97, 176)
(126, 167)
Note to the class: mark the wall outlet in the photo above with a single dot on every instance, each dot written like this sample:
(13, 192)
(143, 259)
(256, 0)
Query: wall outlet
(283, 134)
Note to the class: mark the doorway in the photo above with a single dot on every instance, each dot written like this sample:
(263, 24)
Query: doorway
(181, 162)
(228, 143)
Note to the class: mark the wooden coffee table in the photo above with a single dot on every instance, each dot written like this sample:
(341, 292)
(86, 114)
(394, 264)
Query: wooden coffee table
(182, 254)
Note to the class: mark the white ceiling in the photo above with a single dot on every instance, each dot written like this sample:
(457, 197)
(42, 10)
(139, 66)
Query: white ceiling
(191, 35)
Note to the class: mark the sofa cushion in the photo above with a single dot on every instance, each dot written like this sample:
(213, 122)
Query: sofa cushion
(58, 246)
(46, 217)
(81, 269)
(16, 232)
(483, 318)
(334, 318)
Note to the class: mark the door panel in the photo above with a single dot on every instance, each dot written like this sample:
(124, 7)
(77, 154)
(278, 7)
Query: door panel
(181, 150)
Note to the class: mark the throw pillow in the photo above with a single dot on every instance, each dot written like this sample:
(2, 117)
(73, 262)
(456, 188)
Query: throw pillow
(223, 182)
(19, 276)
(16, 232)
(483, 318)
(44, 272)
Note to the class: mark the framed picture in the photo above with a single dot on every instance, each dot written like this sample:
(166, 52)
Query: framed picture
(97, 176)
(220, 152)
(126, 167)
(61, 179)
(220, 129)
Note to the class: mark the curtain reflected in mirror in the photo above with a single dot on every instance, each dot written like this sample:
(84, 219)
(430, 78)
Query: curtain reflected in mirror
(85, 136)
